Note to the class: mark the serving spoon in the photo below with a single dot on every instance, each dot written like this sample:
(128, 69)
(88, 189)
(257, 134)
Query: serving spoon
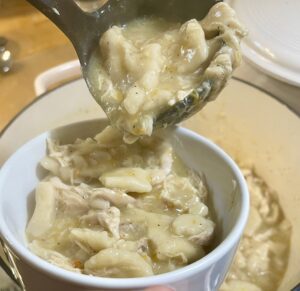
(83, 22)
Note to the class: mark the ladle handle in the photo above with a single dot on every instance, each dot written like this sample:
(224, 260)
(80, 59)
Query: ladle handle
(70, 19)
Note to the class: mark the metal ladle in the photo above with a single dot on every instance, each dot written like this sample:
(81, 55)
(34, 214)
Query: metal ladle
(84, 29)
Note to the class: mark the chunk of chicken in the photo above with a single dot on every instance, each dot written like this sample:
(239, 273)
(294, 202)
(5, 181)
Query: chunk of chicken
(72, 203)
(219, 69)
(221, 13)
(115, 197)
(222, 21)
(72, 200)
(107, 218)
(198, 181)
(110, 219)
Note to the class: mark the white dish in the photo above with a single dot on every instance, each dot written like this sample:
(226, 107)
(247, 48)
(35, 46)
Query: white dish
(273, 43)
(246, 121)
(228, 194)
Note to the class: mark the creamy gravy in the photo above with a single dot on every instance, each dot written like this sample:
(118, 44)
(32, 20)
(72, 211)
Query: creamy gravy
(262, 257)
(111, 209)
(146, 66)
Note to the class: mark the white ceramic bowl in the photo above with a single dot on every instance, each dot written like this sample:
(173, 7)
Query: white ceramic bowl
(229, 197)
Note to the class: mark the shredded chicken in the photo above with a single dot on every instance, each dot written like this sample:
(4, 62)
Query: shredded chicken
(262, 256)
(117, 210)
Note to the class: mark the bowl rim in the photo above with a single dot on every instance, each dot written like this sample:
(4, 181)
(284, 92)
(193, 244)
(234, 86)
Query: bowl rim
(22, 252)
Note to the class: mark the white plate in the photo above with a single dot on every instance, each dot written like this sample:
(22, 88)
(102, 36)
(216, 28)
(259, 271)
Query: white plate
(244, 120)
(273, 43)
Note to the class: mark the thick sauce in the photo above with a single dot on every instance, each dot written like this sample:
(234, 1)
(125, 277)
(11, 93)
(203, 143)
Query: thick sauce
(262, 256)
(148, 65)
(111, 209)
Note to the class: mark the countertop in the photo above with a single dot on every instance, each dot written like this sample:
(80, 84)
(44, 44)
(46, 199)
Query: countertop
(36, 45)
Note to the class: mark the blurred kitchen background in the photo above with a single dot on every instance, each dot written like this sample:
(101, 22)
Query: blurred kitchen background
(36, 45)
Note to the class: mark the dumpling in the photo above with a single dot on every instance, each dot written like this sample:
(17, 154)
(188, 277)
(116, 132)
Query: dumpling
(44, 212)
(195, 227)
(179, 192)
(109, 137)
(89, 239)
(127, 179)
(116, 197)
(193, 39)
(117, 263)
(167, 246)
